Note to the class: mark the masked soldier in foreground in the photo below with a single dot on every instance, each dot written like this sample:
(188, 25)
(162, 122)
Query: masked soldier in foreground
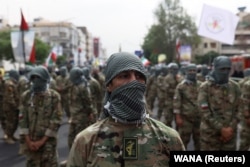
(126, 135)
(40, 117)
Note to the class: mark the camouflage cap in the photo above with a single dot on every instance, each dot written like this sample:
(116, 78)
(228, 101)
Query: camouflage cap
(123, 61)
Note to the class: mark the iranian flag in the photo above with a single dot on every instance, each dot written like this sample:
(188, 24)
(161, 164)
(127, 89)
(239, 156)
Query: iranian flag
(51, 59)
(145, 61)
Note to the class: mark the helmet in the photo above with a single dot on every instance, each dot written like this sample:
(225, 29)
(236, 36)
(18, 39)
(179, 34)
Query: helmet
(14, 74)
(76, 75)
(86, 72)
(42, 72)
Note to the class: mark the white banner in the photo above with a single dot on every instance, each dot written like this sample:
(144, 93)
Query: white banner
(17, 45)
(218, 24)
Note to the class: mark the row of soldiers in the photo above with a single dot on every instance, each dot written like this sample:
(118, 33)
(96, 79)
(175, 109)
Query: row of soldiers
(203, 103)
(35, 100)
(209, 110)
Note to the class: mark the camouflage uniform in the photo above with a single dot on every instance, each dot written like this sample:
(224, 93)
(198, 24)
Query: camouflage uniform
(126, 135)
(245, 119)
(246, 77)
(62, 86)
(39, 120)
(185, 104)
(95, 90)
(23, 85)
(171, 82)
(52, 84)
(151, 92)
(41, 115)
(10, 107)
(106, 143)
(81, 109)
(219, 100)
(98, 75)
(161, 92)
(219, 108)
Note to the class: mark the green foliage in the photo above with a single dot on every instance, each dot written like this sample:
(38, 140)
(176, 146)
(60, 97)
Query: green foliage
(206, 58)
(42, 51)
(61, 60)
(172, 23)
(5, 46)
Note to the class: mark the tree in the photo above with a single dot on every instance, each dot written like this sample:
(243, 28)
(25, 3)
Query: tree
(6, 52)
(5, 46)
(42, 51)
(172, 23)
(206, 58)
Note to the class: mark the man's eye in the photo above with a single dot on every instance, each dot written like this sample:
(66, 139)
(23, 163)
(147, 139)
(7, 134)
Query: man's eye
(123, 76)
(139, 75)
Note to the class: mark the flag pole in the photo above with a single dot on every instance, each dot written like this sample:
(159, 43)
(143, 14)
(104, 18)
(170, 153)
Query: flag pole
(23, 27)
(23, 46)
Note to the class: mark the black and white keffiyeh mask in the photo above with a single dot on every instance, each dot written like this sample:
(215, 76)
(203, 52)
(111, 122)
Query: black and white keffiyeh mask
(126, 103)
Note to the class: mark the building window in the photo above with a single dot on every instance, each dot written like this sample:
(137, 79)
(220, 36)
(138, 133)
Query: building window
(62, 34)
(213, 45)
(205, 45)
(45, 34)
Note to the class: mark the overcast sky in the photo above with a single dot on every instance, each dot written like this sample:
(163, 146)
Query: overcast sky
(115, 22)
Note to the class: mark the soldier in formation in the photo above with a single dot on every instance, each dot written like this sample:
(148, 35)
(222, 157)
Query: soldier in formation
(161, 90)
(80, 102)
(171, 81)
(96, 92)
(40, 118)
(62, 85)
(10, 105)
(151, 91)
(186, 111)
(218, 100)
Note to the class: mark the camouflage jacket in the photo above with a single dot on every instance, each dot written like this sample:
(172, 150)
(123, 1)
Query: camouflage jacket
(110, 143)
(219, 105)
(23, 85)
(151, 86)
(161, 87)
(62, 86)
(171, 82)
(40, 114)
(80, 103)
(185, 98)
(245, 99)
(10, 95)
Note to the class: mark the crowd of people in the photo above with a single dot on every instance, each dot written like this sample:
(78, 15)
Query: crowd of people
(110, 112)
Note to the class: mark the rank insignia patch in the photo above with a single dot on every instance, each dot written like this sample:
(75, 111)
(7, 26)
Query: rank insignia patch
(130, 148)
